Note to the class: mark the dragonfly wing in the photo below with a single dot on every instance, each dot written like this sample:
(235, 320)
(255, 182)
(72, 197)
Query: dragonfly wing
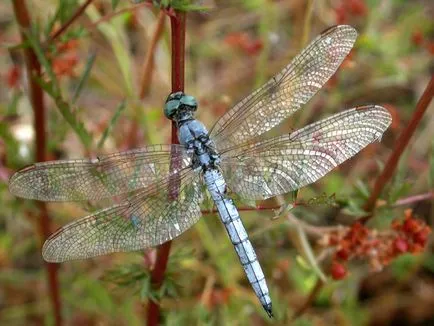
(147, 219)
(95, 179)
(286, 92)
(286, 163)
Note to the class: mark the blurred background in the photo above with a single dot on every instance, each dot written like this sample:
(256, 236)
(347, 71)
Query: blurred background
(231, 48)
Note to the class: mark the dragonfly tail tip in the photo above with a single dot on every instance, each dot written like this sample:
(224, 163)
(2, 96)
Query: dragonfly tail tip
(268, 309)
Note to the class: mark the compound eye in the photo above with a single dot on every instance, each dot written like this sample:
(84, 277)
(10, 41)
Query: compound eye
(170, 108)
(189, 101)
(174, 96)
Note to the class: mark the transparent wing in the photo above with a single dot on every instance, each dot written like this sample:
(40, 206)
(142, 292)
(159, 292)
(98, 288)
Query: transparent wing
(286, 163)
(94, 179)
(147, 219)
(286, 92)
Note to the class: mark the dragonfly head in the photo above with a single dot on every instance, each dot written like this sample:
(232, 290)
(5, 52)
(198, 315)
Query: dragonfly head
(180, 106)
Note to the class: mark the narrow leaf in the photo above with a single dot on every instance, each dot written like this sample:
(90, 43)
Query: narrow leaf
(307, 252)
(84, 77)
(33, 39)
(66, 112)
(113, 121)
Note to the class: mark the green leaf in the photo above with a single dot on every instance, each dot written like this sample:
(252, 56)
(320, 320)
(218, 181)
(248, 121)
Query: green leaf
(84, 77)
(399, 186)
(10, 143)
(398, 191)
(12, 105)
(308, 253)
(50, 24)
(362, 188)
(145, 290)
(115, 4)
(429, 262)
(67, 113)
(113, 121)
(303, 322)
(354, 208)
(404, 265)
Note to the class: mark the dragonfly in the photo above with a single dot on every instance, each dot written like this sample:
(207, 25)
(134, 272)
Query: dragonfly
(162, 186)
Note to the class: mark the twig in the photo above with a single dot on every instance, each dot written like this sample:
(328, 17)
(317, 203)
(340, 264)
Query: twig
(414, 199)
(70, 21)
(401, 144)
(37, 100)
(119, 12)
(178, 59)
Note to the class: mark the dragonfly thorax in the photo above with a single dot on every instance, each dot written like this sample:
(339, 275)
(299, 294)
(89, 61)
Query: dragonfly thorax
(194, 136)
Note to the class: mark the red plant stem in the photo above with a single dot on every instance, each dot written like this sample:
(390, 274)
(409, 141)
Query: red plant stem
(33, 68)
(70, 21)
(178, 59)
(244, 209)
(401, 144)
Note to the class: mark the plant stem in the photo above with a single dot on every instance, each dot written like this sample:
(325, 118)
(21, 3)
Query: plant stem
(178, 59)
(401, 144)
(69, 22)
(414, 199)
(33, 68)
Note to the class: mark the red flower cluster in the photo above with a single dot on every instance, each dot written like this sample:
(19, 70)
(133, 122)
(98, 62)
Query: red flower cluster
(13, 76)
(412, 234)
(244, 42)
(418, 39)
(379, 248)
(348, 8)
(65, 59)
(217, 297)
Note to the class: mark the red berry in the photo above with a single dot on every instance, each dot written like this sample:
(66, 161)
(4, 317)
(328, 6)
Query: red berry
(417, 37)
(400, 245)
(430, 47)
(410, 226)
(396, 225)
(420, 237)
(357, 7)
(343, 254)
(338, 271)
(416, 248)
(341, 14)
